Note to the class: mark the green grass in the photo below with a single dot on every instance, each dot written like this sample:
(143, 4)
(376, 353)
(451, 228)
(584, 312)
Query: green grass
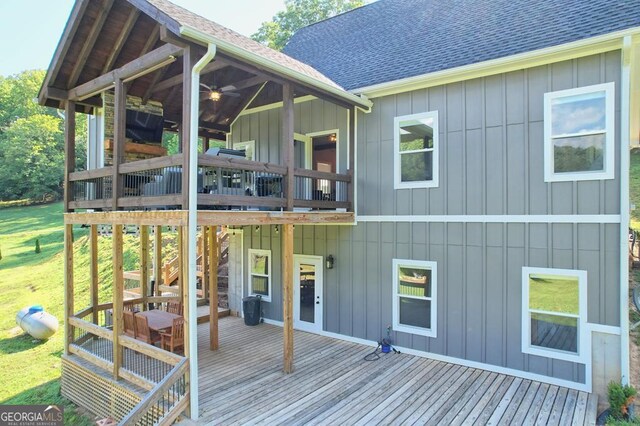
(634, 188)
(554, 293)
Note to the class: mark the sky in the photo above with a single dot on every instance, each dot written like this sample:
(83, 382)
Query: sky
(31, 29)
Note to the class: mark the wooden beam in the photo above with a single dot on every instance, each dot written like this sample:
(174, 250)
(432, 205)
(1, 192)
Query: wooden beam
(159, 75)
(122, 37)
(287, 295)
(177, 79)
(145, 64)
(68, 286)
(93, 260)
(119, 139)
(69, 151)
(182, 272)
(156, 217)
(287, 143)
(201, 124)
(209, 217)
(88, 42)
(213, 289)
(241, 106)
(157, 258)
(118, 294)
(168, 37)
(188, 61)
(204, 252)
(70, 29)
(144, 265)
(153, 39)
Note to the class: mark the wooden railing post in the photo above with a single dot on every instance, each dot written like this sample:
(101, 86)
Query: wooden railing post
(213, 288)
(68, 285)
(144, 265)
(118, 294)
(287, 143)
(157, 260)
(69, 151)
(287, 295)
(119, 131)
(93, 253)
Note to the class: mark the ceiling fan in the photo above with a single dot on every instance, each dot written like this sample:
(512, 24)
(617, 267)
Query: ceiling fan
(215, 94)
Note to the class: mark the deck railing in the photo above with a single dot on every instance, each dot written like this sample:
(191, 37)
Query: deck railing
(222, 183)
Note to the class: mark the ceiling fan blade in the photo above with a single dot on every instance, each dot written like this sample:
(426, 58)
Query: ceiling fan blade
(228, 88)
(232, 94)
(205, 86)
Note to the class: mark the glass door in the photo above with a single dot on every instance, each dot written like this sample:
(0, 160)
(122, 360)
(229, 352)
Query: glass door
(307, 293)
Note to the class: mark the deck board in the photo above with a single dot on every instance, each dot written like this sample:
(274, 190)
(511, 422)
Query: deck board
(243, 383)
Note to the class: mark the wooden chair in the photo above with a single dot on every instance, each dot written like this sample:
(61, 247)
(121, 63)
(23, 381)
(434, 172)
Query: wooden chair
(143, 332)
(129, 323)
(174, 307)
(175, 339)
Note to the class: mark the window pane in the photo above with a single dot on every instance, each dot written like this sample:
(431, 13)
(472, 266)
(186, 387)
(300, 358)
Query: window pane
(554, 332)
(415, 312)
(260, 285)
(579, 154)
(259, 264)
(577, 114)
(554, 293)
(416, 167)
(414, 282)
(416, 134)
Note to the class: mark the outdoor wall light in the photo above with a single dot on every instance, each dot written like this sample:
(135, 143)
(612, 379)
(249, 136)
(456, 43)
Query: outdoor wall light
(257, 228)
(330, 261)
(277, 229)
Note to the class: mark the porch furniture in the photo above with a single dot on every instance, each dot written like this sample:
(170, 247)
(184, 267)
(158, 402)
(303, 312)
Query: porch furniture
(158, 320)
(174, 307)
(144, 331)
(174, 339)
(129, 323)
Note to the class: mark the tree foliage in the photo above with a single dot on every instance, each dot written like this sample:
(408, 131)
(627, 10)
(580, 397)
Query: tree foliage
(299, 14)
(32, 141)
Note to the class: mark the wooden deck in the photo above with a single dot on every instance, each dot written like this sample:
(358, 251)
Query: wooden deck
(243, 383)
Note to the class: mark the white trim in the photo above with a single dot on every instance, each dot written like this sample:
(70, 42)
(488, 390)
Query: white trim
(583, 355)
(552, 218)
(325, 133)
(245, 107)
(583, 387)
(404, 328)
(308, 148)
(577, 49)
(625, 141)
(318, 263)
(275, 105)
(605, 329)
(260, 252)
(608, 165)
(240, 233)
(435, 159)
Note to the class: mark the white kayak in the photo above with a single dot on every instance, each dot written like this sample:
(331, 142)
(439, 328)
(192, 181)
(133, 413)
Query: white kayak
(38, 323)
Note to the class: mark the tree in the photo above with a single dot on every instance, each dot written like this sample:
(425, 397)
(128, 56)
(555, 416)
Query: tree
(299, 14)
(32, 158)
(18, 95)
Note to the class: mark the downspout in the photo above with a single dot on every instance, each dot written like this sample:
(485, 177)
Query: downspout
(192, 226)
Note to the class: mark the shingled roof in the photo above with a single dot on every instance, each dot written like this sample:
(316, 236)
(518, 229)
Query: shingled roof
(394, 39)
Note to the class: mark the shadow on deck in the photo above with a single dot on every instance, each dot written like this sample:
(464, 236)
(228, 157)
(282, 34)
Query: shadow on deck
(243, 383)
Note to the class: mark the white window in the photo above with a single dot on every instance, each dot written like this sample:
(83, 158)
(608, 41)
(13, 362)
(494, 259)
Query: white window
(249, 149)
(554, 307)
(414, 296)
(416, 150)
(260, 273)
(579, 139)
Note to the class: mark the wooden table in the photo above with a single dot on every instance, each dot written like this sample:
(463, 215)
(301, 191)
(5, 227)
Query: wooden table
(159, 320)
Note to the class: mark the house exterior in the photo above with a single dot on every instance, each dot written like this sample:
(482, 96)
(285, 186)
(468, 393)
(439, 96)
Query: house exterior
(458, 176)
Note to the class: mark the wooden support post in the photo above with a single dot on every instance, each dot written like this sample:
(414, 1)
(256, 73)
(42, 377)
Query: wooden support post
(119, 128)
(144, 265)
(69, 151)
(182, 272)
(204, 252)
(352, 158)
(213, 288)
(118, 294)
(93, 259)
(185, 128)
(287, 142)
(205, 144)
(68, 285)
(287, 295)
(157, 260)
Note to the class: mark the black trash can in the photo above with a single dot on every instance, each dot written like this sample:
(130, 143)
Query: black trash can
(251, 310)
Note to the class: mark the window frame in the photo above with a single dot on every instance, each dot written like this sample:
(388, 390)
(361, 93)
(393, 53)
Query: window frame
(583, 344)
(608, 171)
(250, 274)
(433, 183)
(424, 264)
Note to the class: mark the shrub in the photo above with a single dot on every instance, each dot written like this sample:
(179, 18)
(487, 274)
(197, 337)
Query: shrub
(37, 246)
(620, 398)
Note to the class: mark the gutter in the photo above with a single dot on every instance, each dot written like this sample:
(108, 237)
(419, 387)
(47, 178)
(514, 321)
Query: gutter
(192, 225)
(197, 35)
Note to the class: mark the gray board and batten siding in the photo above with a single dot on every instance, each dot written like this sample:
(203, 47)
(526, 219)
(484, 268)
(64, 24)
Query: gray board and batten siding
(491, 163)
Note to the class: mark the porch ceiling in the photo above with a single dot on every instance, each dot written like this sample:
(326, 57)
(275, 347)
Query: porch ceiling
(104, 35)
